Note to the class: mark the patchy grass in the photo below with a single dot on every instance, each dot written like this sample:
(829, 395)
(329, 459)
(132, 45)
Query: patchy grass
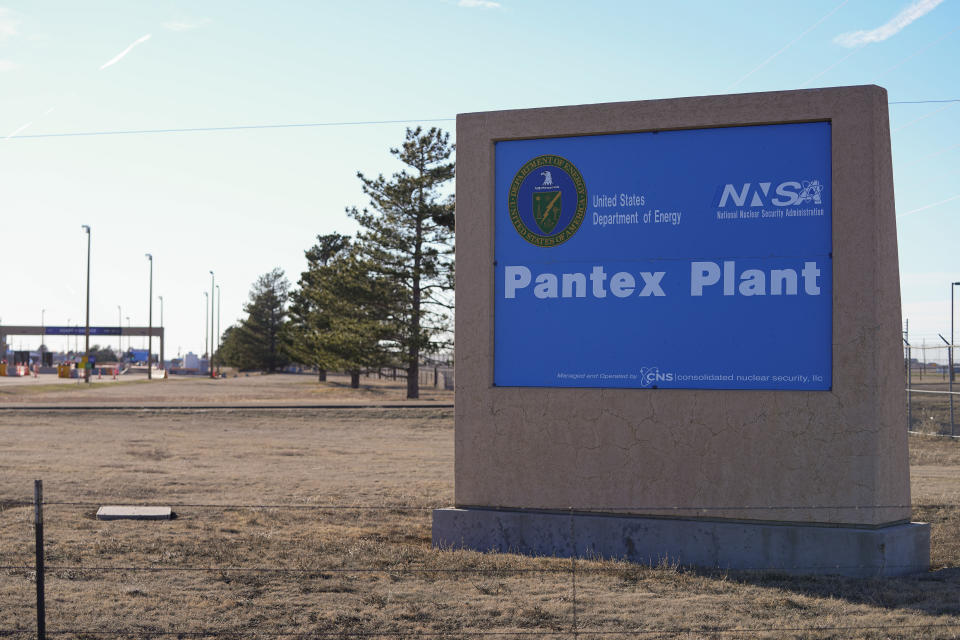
(348, 565)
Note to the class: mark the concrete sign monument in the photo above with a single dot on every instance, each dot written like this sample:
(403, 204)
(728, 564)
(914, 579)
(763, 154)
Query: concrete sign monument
(678, 335)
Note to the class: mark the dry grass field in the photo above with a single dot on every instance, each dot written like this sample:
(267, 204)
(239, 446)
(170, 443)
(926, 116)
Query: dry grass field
(317, 522)
(930, 412)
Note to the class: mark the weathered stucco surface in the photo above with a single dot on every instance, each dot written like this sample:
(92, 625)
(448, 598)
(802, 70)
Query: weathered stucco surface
(819, 457)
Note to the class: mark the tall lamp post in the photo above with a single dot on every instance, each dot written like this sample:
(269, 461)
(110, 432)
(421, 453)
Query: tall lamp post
(218, 319)
(119, 335)
(206, 324)
(162, 365)
(86, 370)
(129, 346)
(43, 332)
(952, 285)
(212, 338)
(150, 323)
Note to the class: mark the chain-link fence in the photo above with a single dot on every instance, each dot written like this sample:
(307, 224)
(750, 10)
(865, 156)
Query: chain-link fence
(931, 395)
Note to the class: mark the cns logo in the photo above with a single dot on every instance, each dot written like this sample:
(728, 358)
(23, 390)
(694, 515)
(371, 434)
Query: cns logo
(761, 194)
(651, 376)
(547, 200)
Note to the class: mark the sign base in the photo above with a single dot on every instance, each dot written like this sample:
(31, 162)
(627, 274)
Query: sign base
(894, 550)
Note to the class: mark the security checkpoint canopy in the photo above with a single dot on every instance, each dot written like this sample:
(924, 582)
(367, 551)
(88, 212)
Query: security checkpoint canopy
(28, 330)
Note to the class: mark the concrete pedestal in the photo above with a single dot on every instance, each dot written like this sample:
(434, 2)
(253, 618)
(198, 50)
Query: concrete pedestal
(893, 550)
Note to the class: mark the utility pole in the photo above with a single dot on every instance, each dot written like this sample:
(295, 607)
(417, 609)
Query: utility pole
(86, 370)
(150, 324)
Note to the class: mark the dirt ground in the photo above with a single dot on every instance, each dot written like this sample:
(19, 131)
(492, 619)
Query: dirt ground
(236, 389)
(303, 521)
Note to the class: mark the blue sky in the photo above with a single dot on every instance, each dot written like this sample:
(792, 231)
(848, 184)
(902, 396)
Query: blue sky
(244, 202)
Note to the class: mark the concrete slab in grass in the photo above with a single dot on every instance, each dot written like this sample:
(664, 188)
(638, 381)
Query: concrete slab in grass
(120, 512)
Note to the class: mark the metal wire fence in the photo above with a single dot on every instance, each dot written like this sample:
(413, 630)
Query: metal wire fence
(932, 405)
(566, 576)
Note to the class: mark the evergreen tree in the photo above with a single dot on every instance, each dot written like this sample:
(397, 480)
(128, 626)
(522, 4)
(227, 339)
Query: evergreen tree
(407, 238)
(257, 342)
(341, 312)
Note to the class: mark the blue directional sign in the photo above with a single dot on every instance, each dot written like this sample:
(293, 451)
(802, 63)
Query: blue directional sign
(81, 331)
(695, 259)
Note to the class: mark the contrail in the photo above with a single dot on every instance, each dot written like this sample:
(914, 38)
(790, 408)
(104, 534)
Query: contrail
(21, 128)
(829, 68)
(787, 46)
(923, 117)
(18, 130)
(935, 204)
(120, 56)
(931, 155)
(919, 51)
(895, 25)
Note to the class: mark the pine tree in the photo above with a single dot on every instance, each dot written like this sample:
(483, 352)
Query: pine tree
(258, 341)
(341, 312)
(408, 240)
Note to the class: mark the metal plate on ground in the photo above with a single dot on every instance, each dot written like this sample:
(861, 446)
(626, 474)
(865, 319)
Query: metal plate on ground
(121, 512)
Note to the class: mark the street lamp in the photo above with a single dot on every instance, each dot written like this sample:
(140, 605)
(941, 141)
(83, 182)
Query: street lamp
(952, 285)
(128, 334)
(119, 335)
(86, 348)
(212, 340)
(150, 323)
(218, 319)
(206, 324)
(162, 337)
(43, 330)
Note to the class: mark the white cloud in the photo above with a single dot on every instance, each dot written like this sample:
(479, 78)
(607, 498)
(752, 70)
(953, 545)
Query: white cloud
(7, 65)
(117, 58)
(917, 9)
(8, 26)
(483, 4)
(180, 25)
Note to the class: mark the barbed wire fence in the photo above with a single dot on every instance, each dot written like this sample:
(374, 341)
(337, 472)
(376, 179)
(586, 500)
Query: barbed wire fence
(572, 627)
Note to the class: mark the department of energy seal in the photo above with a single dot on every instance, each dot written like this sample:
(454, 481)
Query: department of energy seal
(547, 200)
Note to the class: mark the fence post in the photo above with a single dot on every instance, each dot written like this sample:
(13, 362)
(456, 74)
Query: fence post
(38, 529)
(573, 573)
(909, 389)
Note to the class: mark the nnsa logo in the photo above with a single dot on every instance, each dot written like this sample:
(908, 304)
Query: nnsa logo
(762, 194)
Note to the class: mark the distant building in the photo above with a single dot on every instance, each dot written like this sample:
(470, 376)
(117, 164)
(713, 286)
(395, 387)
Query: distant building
(191, 361)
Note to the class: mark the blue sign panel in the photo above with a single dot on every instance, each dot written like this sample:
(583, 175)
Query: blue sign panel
(81, 331)
(696, 259)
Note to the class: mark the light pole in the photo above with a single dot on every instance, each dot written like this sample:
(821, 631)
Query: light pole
(43, 330)
(86, 347)
(119, 335)
(212, 340)
(68, 335)
(150, 323)
(128, 333)
(952, 285)
(218, 318)
(162, 337)
(206, 324)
